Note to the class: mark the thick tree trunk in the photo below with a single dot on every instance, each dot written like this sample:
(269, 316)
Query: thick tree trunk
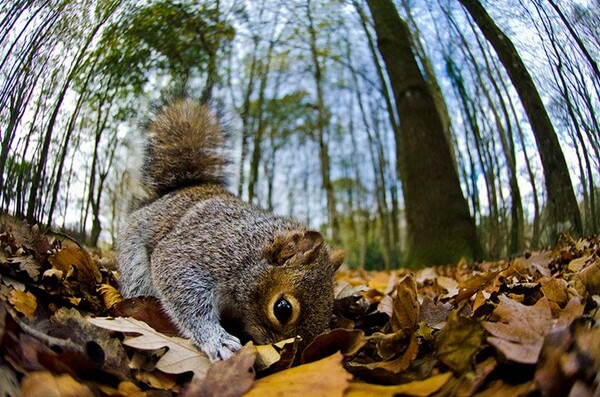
(440, 228)
(562, 204)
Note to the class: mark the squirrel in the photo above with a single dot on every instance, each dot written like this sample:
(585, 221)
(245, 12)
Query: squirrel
(225, 270)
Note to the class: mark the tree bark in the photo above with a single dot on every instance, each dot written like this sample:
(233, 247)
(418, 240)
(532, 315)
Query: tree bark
(440, 228)
(322, 121)
(562, 204)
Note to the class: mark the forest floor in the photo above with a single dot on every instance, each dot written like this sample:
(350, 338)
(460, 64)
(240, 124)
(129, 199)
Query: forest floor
(525, 326)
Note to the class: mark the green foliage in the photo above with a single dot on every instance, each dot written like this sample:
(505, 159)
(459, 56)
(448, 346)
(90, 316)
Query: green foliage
(175, 39)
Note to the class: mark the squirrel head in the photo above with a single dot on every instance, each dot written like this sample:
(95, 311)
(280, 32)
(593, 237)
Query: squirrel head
(295, 294)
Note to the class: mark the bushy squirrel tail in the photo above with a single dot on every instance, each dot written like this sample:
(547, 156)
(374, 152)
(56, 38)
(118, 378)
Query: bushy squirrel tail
(185, 147)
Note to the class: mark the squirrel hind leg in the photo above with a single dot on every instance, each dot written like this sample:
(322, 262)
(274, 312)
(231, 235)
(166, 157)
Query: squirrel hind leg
(134, 263)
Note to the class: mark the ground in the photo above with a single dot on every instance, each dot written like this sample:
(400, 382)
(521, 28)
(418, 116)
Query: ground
(522, 326)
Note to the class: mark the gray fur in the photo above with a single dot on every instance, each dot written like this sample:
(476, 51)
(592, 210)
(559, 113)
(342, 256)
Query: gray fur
(212, 258)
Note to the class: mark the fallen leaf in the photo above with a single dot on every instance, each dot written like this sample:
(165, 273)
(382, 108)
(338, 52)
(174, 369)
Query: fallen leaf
(406, 306)
(548, 375)
(326, 377)
(418, 388)
(24, 302)
(479, 301)
(9, 385)
(267, 355)
(473, 284)
(110, 295)
(129, 389)
(433, 313)
(71, 257)
(459, 341)
(520, 329)
(343, 340)
(470, 382)
(388, 368)
(555, 289)
(449, 284)
(158, 380)
(389, 345)
(379, 281)
(27, 265)
(228, 378)
(590, 276)
(182, 355)
(147, 309)
(43, 384)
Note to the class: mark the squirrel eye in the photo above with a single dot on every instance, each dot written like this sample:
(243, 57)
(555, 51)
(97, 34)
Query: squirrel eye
(282, 310)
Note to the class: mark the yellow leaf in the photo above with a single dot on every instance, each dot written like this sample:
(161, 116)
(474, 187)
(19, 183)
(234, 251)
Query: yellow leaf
(326, 377)
(110, 295)
(42, 384)
(74, 257)
(24, 302)
(418, 388)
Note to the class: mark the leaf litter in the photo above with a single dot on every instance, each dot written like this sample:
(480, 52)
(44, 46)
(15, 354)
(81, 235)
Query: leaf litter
(525, 326)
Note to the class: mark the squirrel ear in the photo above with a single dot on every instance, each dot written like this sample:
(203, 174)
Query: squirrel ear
(305, 245)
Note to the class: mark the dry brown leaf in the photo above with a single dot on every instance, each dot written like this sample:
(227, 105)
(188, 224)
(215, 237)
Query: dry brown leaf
(267, 355)
(406, 306)
(520, 329)
(389, 345)
(433, 313)
(343, 340)
(182, 355)
(26, 264)
(228, 378)
(555, 289)
(24, 302)
(326, 377)
(43, 384)
(449, 284)
(590, 276)
(473, 284)
(459, 341)
(419, 388)
(479, 300)
(147, 309)
(70, 257)
(471, 382)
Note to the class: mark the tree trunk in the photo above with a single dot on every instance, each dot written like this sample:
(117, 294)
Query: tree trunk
(322, 121)
(562, 204)
(440, 228)
(41, 168)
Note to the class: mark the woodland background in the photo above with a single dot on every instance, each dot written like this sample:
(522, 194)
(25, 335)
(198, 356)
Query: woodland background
(411, 132)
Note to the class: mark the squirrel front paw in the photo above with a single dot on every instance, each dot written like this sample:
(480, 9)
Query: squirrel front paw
(217, 343)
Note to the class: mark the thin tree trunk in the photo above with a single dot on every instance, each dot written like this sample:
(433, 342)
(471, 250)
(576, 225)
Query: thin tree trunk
(562, 203)
(43, 158)
(322, 122)
(577, 39)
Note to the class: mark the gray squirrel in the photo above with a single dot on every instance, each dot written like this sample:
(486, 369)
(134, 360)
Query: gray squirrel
(225, 270)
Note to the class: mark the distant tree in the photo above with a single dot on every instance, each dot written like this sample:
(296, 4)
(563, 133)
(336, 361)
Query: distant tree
(440, 228)
(322, 121)
(562, 204)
